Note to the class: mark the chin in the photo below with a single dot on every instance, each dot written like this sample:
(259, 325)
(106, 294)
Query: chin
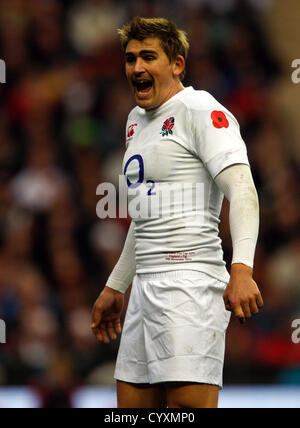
(144, 104)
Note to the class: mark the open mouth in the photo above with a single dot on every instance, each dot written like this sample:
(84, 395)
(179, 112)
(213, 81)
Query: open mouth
(143, 87)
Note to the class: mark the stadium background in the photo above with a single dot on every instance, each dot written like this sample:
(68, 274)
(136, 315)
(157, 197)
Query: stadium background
(63, 112)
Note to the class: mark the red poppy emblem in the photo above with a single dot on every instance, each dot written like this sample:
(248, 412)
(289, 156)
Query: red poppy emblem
(219, 119)
(168, 126)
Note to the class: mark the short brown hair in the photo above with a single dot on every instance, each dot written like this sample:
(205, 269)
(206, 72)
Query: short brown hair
(173, 40)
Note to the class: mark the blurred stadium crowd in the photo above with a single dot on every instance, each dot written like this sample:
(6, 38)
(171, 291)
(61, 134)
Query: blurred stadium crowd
(62, 125)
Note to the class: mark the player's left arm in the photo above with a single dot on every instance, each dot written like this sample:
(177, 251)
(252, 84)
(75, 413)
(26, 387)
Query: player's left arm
(242, 295)
(217, 141)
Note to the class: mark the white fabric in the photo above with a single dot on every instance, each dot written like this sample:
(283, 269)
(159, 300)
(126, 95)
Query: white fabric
(174, 329)
(124, 271)
(195, 151)
(236, 183)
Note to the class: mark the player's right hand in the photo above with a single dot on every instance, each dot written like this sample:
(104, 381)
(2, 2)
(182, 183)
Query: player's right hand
(106, 313)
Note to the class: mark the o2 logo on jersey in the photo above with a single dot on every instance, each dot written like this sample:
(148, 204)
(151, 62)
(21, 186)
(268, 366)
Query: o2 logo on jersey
(141, 174)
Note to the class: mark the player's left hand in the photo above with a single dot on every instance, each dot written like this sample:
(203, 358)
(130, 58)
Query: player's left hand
(242, 296)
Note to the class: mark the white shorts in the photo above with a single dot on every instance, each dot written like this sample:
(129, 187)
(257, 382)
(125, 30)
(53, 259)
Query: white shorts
(174, 329)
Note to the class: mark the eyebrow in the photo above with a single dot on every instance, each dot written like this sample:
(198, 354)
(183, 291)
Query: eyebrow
(143, 52)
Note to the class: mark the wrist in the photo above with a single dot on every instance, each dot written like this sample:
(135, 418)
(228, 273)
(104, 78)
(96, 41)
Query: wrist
(111, 290)
(241, 269)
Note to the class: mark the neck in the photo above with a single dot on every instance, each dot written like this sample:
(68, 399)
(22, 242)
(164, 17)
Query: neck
(178, 87)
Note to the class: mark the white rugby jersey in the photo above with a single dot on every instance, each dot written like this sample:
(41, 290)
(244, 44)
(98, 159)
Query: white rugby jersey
(173, 155)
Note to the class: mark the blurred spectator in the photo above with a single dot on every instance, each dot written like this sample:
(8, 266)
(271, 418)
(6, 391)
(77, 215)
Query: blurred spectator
(40, 183)
(92, 23)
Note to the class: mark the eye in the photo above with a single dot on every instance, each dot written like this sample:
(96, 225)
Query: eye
(130, 59)
(149, 58)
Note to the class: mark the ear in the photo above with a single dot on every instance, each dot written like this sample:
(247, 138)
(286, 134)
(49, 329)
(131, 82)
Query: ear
(178, 66)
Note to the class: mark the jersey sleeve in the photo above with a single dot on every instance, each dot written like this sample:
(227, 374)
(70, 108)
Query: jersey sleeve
(217, 139)
(127, 134)
(130, 124)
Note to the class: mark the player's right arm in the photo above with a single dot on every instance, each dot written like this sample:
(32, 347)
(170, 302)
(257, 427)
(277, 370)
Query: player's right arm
(106, 313)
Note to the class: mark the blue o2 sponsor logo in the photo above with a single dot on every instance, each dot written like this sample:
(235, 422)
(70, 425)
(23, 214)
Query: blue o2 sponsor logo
(133, 159)
(139, 159)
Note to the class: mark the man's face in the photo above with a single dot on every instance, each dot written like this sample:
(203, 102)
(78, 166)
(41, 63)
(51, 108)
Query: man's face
(150, 74)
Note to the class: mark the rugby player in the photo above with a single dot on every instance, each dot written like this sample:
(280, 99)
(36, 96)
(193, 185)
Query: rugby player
(173, 340)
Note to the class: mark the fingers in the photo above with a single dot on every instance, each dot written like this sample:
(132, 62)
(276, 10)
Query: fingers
(111, 330)
(106, 313)
(246, 309)
(227, 303)
(253, 306)
(118, 327)
(95, 324)
(239, 313)
(107, 330)
(259, 300)
(243, 310)
(98, 327)
(98, 332)
(104, 335)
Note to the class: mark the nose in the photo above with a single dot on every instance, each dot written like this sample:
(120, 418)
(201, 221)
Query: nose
(139, 66)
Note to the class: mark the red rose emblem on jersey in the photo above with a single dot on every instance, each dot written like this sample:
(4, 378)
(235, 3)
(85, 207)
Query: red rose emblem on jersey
(169, 123)
(168, 126)
(219, 119)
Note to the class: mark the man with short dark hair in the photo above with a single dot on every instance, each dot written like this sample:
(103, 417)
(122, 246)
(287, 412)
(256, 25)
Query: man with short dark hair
(172, 345)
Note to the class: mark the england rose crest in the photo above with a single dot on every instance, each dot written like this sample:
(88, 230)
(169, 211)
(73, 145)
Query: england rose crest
(167, 127)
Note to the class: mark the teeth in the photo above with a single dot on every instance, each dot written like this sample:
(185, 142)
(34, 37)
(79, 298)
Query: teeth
(142, 81)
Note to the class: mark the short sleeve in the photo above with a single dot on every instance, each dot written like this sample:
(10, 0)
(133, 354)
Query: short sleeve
(217, 139)
(126, 136)
(130, 127)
